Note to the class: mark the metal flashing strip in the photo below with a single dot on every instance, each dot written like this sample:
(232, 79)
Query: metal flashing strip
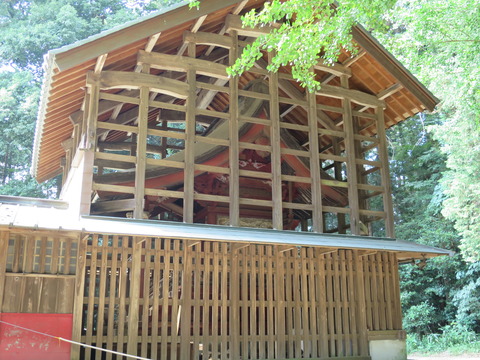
(100, 224)
(33, 202)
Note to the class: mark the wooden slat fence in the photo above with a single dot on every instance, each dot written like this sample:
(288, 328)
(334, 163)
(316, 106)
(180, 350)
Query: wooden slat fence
(215, 300)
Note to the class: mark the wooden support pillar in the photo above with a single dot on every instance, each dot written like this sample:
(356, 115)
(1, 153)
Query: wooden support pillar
(92, 112)
(134, 307)
(317, 216)
(385, 173)
(352, 179)
(276, 158)
(280, 303)
(4, 238)
(361, 305)
(338, 176)
(189, 174)
(234, 190)
(141, 153)
(79, 295)
(186, 304)
(90, 141)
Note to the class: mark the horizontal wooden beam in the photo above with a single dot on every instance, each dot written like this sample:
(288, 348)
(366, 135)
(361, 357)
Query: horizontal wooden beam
(132, 80)
(182, 63)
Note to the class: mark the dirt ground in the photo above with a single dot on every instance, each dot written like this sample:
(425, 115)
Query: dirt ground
(444, 357)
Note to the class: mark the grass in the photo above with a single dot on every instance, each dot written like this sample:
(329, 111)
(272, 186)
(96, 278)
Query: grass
(454, 340)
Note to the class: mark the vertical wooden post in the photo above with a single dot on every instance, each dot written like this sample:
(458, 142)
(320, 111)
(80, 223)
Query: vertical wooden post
(141, 153)
(189, 175)
(349, 128)
(317, 217)
(234, 190)
(79, 294)
(4, 238)
(361, 313)
(186, 304)
(385, 173)
(92, 112)
(339, 177)
(280, 302)
(276, 158)
(134, 306)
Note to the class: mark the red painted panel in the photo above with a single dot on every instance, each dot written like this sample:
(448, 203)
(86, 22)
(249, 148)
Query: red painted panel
(20, 344)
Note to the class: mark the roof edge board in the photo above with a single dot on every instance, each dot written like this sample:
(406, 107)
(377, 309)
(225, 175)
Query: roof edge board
(77, 53)
(363, 38)
(49, 65)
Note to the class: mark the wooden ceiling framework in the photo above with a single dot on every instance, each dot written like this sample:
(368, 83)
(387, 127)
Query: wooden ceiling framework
(149, 103)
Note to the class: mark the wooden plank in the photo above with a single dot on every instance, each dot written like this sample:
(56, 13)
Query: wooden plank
(225, 294)
(4, 239)
(188, 211)
(353, 199)
(114, 188)
(215, 300)
(92, 281)
(207, 293)
(182, 64)
(334, 69)
(234, 187)
(166, 193)
(276, 158)
(131, 80)
(397, 323)
(235, 281)
(145, 340)
(212, 169)
(280, 303)
(388, 289)
(116, 127)
(270, 300)
(186, 305)
(330, 306)
(352, 301)
(315, 335)
(162, 278)
(112, 298)
(361, 305)
(385, 174)
(124, 272)
(306, 333)
(100, 313)
(115, 157)
(356, 96)
(210, 39)
(176, 290)
(346, 338)
(167, 134)
(134, 304)
(317, 215)
(141, 154)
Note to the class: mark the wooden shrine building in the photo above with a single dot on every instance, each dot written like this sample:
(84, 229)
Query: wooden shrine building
(208, 217)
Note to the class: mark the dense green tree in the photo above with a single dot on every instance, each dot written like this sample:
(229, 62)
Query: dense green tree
(28, 30)
(439, 40)
(324, 27)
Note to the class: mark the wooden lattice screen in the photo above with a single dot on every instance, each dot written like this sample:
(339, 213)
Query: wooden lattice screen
(176, 299)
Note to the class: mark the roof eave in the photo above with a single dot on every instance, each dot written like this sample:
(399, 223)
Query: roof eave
(363, 38)
(48, 66)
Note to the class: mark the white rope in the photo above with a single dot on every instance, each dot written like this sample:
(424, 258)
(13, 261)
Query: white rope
(76, 343)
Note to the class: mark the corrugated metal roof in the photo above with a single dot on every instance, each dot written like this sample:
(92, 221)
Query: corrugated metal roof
(56, 218)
